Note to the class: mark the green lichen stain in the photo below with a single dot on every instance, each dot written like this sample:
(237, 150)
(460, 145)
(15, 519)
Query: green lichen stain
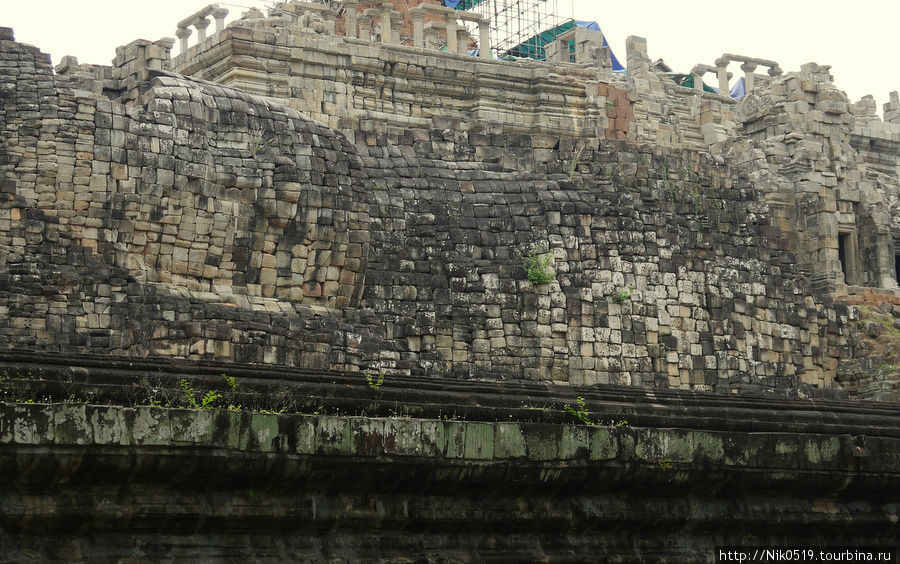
(305, 435)
(264, 429)
(708, 447)
(433, 438)
(455, 434)
(740, 453)
(541, 442)
(672, 446)
(109, 426)
(575, 443)
(509, 441)
(821, 450)
(236, 435)
(784, 448)
(333, 435)
(479, 441)
(152, 426)
(407, 434)
(72, 425)
(604, 445)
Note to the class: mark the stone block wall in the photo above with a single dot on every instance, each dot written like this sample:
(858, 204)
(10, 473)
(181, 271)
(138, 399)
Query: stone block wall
(712, 295)
(198, 221)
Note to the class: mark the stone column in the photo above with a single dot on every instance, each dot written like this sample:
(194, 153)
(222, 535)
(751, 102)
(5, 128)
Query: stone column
(219, 15)
(350, 20)
(462, 41)
(387, 34)
(396, 26)
(722, 71)
(365, 27)
(748, 69)
(451, 32)
(484, 38)
(698, 79)
(418, 18)
(201, 24)
(182, 33)
(430, 37)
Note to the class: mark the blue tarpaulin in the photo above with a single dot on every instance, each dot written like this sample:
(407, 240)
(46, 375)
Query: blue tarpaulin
(739, 90)
(461, 4)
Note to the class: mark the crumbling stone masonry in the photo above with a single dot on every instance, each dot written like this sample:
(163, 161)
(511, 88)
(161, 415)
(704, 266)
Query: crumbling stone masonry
(151, 213)
(200, 221)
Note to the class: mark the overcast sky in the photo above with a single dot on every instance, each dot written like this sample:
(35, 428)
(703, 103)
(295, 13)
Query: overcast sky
(859, 39)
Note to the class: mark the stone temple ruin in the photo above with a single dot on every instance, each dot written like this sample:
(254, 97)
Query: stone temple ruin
(409, 270)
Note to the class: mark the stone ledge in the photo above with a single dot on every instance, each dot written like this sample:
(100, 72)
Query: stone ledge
(116, 380)
(231, 444)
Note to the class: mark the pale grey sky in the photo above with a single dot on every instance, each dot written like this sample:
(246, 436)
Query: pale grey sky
(859, 39)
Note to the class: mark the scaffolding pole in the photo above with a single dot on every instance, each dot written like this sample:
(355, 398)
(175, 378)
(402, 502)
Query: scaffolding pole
(517, 24)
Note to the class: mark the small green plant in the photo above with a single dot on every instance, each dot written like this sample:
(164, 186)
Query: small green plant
(206, 401)
(664, 464)
(573, 165)
(610, 104)
(580, 412)
(259, 141)
(230, 382)
(623, 295)
(537, 268)
(375, 383)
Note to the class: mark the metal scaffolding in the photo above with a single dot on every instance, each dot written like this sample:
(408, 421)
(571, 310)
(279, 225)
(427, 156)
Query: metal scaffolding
(516, 25)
